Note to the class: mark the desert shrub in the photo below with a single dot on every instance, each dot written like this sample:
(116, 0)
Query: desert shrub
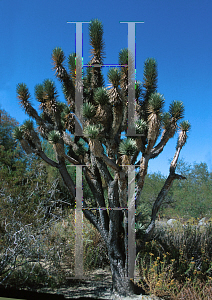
(177, 263)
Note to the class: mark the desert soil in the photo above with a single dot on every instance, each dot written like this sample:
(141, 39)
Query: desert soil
(97, 285)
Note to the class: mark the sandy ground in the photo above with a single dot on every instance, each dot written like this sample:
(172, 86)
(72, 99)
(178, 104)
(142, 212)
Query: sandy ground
(98, 286)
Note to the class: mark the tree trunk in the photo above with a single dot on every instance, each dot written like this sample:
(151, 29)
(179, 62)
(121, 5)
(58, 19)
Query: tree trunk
(121, 284)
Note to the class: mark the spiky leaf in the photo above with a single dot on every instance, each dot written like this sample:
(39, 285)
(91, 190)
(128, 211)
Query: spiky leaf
(88, 110)
(127, 147)
(39, 92)
(92, 131)
(150, 75)
(185, 126)
(58, 56)
(156, 103)
(101, 96)
(23, 93)
(166, 119)
(49, 89)
(123, 57)
(140, 126)
(114, 76)
(96, 39)
(54, 137)
(18, 133)
(176, 110)
(27, 126)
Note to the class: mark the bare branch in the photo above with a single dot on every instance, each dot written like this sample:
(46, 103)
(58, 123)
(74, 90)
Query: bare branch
(46, 158)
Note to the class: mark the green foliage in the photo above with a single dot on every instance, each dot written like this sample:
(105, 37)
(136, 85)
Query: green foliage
(89, 110)
(58, 56)
(54, 137)
(176, 257)
(185, 126)
(150, 76)
(96, 39)
(123, 57)
(187, 198)
(166, 120)
(176, 110)
(18, 133)
(92, 131)
(39, 92)
(156, 103)
(23, 92)
(114, 76)
(27, 126)
(192, 197)
(152, 186)
(141, 126)
(101, 96)
(127, 147)
(49, 90)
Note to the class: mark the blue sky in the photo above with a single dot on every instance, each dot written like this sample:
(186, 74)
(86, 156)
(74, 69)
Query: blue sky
(178, 34)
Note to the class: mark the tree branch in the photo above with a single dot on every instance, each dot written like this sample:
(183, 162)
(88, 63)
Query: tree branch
(166, 136)
(94, 182)
(110, 163)
(66, 177)
(165, 189)
(104, 170)
(46, 158)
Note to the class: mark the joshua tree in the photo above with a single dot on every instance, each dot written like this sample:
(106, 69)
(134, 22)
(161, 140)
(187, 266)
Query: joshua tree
(101, 150)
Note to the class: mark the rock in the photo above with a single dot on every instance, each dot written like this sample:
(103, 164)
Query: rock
(202, 222)
(172, 222)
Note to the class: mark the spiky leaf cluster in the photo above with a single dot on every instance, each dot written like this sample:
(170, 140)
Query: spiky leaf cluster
(182, 138)
(123, 57)
(58, 56)
(114, 92)
(27, 126)
(46, 94)
(49, 90)
(96, 40)
(88, 110)
(18, 133)
(141, 126)
(72, 65)
(23, 95)
(185, 126)
(92, 131)
(114, 76)
(176, 110)
(123, 60)
(156, 103)
(65, 110)
(150, 76)
(39, 93)
(166, 120)
(101, 96)
(54, 137)
(128, 147)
